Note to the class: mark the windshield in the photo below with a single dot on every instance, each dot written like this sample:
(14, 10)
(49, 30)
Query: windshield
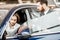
(3, 14)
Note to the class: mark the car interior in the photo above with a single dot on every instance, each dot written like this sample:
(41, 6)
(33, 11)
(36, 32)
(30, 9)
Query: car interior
(23, 17)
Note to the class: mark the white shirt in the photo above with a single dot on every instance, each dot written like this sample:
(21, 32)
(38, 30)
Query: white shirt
(46, 11)
(12, 31)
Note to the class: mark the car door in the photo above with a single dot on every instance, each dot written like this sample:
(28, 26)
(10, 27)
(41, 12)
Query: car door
(23, 12)
(39, 24)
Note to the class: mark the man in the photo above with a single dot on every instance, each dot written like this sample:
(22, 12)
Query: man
(43, 7)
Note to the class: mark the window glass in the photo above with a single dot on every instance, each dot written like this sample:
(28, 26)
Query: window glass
(34, 13)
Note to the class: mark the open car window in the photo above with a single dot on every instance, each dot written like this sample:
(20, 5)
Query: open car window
(23, 19)
(24, 15)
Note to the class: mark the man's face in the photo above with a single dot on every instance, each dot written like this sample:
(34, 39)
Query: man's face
(40, 7)
(13, 20)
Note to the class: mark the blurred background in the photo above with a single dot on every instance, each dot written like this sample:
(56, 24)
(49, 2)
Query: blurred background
(12, 3)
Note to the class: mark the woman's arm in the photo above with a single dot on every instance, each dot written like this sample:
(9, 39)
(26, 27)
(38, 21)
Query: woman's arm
(22, 27)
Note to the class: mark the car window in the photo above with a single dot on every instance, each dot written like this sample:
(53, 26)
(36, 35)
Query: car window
(34, 13)
(47, 23)
(39, 23)
(3, 14)
(25, 14)
(19, 18)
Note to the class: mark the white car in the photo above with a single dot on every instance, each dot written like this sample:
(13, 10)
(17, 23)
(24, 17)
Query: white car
(46, 27)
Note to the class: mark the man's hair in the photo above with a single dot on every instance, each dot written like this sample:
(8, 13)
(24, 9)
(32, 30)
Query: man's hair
(43, 1)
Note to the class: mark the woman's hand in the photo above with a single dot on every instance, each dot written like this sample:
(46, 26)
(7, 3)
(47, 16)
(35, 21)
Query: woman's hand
(23, 27)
